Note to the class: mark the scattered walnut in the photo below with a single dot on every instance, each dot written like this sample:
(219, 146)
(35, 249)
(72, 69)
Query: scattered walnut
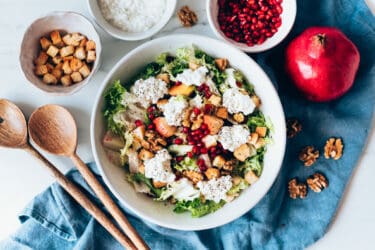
(293, 127)
(333, 148)
(195, 177)
(154, 140)
(309, 155)
(317, 182)
(229, 165)
(187, 17)
(297, 189)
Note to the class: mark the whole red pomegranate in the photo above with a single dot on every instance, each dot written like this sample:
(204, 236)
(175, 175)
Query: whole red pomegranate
(322, 62)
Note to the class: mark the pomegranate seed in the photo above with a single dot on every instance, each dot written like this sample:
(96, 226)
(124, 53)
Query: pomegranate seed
(196, 111)
(138, 123)
(151, 116)
(179, 158)
(208, 108)
(190, 154)
(178, 141)
(204, 150)
(196, 150)
(204, 126)
(151, 126)
(178, 83)
(150, 109)
(185, 130)
(191, 142)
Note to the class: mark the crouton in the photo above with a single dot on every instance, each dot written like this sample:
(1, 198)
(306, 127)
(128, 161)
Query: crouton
(242, 152)
(66, 80)
(41, 70)
(84, 70)
(261, 131)
(76, 39)
(221, 63)
(260, 143)
(67, 39)
(158, 184)
(91, 56)
(66, 68)
(164, 77)
(49, 79)
(68, 58)
(193, 66)
(67, 51)
(52, 51)
(49, 67)
(145, 154)
(55, 37)
(251, 177)
(75, 64)
(219, 161)
(214, 123)
(76, 77)
(214, 100)
(57, 73)
(42, 58)
(44, 43)
(59, 66)
(222, 112)
(56, 59)
(161, 102)
(253, 138)
(83, 42)
(80, 53)
(212, 173)
(256, 100)
(90, 45)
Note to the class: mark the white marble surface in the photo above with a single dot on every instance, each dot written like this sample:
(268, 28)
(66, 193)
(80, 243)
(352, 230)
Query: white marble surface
(22, 177)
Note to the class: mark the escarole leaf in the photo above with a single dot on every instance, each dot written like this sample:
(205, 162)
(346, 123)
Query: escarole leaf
(141, 178)
(197, 207)
(113, 104)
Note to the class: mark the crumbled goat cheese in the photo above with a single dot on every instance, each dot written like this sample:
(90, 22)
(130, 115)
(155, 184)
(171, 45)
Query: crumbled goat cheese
(132, 15)
(231, 137)
(193, 77)
(173, 110)
(236, 102)
(149, 90)
(216, 189)
(231, 80)
(197, 101)
(159, 167)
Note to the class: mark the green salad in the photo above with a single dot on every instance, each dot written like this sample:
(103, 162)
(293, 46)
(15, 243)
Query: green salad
(187, 129)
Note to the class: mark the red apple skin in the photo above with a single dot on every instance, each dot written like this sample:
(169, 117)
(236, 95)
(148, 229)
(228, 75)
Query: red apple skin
(322, 63)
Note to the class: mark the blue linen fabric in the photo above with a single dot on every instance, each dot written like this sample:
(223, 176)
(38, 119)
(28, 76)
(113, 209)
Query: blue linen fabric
(54, 221)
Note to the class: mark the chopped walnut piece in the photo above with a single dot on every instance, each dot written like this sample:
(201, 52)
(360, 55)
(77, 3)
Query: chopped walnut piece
(195, 177)
(317, 182)
(187, 17)
(229, 165)
(309, 155)
(297, 189)
(293, 127)
(333, 148)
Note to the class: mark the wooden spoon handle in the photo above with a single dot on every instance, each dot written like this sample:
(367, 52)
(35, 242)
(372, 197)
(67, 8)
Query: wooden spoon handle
(113, 209)
(82, 199)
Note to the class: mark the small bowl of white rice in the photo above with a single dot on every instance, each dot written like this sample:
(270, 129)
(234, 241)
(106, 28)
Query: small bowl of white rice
(132, 20)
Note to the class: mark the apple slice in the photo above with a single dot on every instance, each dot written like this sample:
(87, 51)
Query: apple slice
(163, 128)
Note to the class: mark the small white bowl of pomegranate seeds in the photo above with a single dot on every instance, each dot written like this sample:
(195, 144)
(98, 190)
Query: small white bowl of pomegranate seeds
(252, 25)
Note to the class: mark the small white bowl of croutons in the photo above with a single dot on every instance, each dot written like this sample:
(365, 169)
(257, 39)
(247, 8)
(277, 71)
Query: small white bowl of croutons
(60, 52)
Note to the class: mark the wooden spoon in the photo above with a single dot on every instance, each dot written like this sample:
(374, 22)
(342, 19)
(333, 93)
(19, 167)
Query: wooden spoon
(54, 130)
(13, 134)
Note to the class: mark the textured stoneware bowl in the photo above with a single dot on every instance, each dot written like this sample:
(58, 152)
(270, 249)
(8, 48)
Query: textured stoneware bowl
(288, 17)
(131, 36)
(65, 21)
(158, 212)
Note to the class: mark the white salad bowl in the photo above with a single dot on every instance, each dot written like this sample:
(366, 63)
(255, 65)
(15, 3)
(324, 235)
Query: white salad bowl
(95, 11)
(159, 212)
(288, 17)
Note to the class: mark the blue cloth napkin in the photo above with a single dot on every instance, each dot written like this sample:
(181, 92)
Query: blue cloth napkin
(54, 221)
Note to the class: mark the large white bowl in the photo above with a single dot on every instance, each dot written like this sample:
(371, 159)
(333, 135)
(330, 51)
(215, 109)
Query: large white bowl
(158, 212)
(130, 36)
(288, 17)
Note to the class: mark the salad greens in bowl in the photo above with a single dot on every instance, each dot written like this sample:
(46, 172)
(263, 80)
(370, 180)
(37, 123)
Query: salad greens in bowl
(188, 132)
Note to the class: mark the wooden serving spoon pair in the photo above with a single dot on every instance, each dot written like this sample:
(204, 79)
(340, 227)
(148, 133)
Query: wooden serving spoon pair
(54, 130)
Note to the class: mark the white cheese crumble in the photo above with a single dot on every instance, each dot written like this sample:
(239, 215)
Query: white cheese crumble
(236, 102)
(193, 77)
(197, 101)
(216, 189)
(132, 15)
(149, 90)
(173, 110)
(159, 167)
(231, 137)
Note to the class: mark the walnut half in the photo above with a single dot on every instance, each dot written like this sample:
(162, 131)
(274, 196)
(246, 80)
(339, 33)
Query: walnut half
(317, 182)
(293, 128)
(297, 190)
(309, 155)
(333, 148)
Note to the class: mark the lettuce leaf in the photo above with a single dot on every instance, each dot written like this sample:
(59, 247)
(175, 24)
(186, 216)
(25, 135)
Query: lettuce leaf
(197, 207)
(113, 104)
(138, 177)
(151, 69)
(186, 164)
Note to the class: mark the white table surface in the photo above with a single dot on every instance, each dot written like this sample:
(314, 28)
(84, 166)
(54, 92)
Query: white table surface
(22, 177)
